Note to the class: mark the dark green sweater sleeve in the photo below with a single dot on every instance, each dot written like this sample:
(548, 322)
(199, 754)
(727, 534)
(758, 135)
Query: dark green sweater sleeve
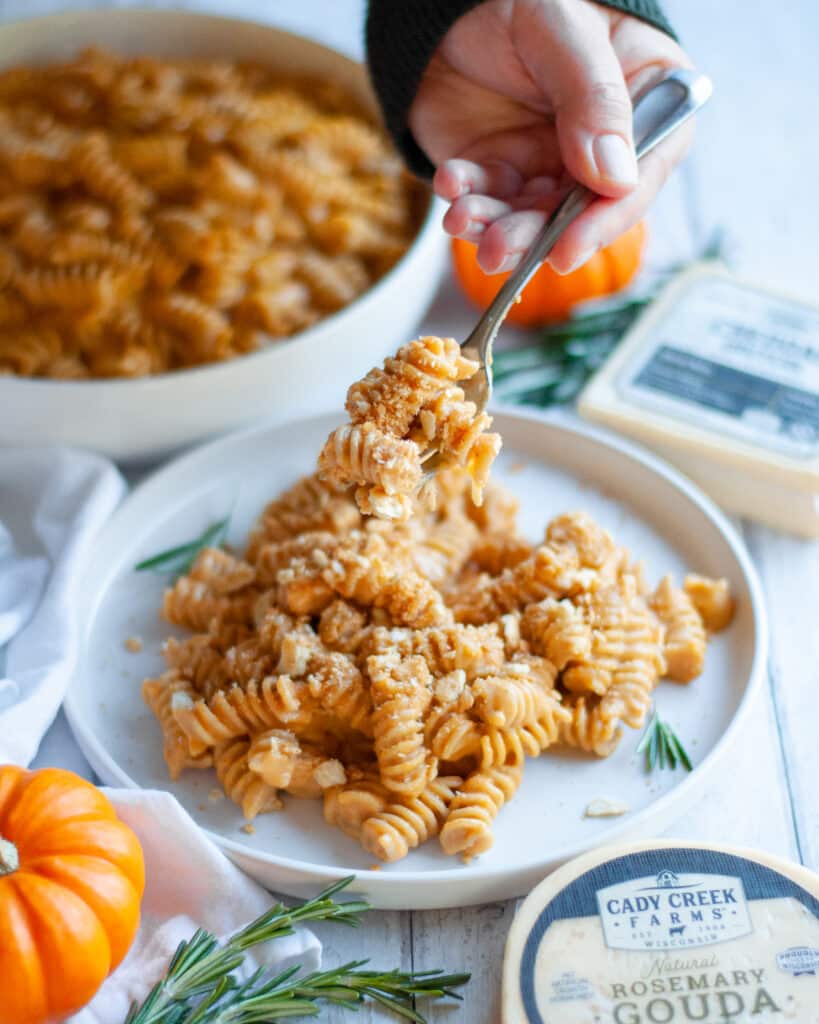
(402, 36)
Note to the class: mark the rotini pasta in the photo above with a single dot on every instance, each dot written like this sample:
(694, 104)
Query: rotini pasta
(282, 762)
(376, 663)
(399, 413)
(350, 804)
(159, 695)
(401, 693)
(685, 639)
(557, 630)
(468, 826)
(214, 205)
(712, 599)
(243, 786)
(402, 825)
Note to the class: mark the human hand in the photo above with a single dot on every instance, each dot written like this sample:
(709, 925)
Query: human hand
(524, 97)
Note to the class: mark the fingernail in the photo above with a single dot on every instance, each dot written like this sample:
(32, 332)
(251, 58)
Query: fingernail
(584, 257)
(509, 263)
(475, 227)
(537, 186)
(615, 159)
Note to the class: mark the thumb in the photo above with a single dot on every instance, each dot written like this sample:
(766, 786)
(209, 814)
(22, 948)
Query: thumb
(581, 76)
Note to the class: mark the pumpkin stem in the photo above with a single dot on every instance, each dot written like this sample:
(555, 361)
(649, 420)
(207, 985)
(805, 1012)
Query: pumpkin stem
(9, 858)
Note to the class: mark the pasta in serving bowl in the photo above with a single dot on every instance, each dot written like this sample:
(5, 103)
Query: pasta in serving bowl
(197, 195)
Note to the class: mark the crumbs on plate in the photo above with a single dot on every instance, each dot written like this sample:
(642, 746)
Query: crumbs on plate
(604, 808)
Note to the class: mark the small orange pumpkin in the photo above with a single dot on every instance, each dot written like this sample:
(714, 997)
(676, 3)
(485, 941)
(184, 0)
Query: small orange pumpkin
(71, 881)
(550, 296)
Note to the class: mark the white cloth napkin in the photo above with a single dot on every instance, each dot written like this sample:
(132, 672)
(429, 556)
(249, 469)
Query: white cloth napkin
(52, 503)
(189, 883)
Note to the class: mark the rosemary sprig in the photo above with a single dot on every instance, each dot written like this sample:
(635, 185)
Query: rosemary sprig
(200, 986)
(262, 1000)
(555, 369)
(200, 963)
(662, 747)
(178, 560)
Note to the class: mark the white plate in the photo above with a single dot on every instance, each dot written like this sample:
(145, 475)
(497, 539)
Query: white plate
(553, 468)
(144, 418)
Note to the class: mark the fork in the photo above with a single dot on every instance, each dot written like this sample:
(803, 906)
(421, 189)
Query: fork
(659, 109)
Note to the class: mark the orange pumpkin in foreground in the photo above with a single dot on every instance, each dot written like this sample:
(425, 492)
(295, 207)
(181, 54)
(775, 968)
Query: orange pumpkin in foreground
(71, 881)
(550, 296)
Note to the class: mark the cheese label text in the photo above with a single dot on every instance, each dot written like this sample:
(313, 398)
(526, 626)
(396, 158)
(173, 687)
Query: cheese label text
(673, 911)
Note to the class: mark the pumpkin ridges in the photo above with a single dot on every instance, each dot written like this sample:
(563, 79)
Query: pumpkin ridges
(111, 840)
(68, 913)
(67, 932)
(103, 888)
(10, 778)
(43, 797)
(22, 981)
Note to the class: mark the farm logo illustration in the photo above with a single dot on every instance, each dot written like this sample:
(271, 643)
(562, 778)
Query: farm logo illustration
(673, 911)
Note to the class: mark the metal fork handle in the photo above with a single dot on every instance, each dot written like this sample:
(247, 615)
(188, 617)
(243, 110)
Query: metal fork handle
(659, 109)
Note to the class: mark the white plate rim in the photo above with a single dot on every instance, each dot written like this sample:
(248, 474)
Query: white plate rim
(377, 881)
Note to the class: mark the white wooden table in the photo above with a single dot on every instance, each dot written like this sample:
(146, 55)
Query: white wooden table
(753, 172)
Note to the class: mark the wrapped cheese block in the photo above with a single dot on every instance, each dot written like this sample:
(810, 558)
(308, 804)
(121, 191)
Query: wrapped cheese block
(721, 377)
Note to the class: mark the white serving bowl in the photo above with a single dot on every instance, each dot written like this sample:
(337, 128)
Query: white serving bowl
(145, 418)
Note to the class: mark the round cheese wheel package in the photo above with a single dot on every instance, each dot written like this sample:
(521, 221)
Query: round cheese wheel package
(666, 932)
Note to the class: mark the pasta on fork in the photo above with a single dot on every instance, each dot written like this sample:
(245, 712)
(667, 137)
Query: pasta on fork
(398, 415)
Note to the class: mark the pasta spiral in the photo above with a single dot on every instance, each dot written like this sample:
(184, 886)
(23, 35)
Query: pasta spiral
(400, 691)
(712, 599)
(309, 505)
(159, 695)
(349, 805)
(685, 639)
(243, 786)
(192, 603)
(509, 702)
(468, 826)
(363, 454)
(558, 630)
(452, 735)
(403, 824)
(338, 687)
(281, 761)
(221, 572)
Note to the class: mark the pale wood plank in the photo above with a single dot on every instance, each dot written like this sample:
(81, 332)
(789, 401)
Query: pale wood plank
(750, 173)
(790, 569)
(470, 939)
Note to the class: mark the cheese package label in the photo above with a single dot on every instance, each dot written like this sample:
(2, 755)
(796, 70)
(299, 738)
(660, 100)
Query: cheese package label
(743, 362)
(664, 934)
